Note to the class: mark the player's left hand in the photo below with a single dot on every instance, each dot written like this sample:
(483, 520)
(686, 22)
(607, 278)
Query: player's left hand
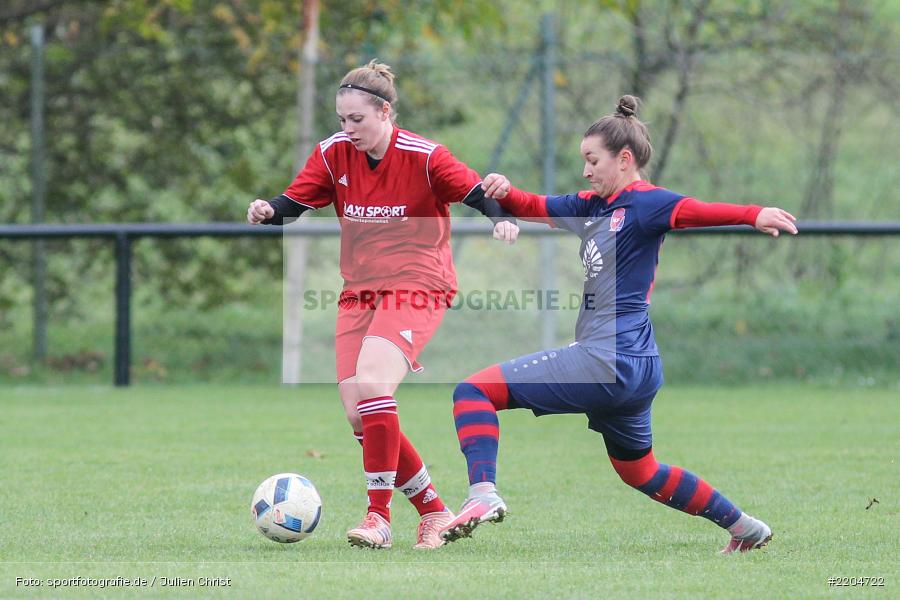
(773, 221)
(506, 232)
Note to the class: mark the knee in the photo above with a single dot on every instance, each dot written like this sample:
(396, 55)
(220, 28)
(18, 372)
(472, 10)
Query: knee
(480, 393)
(377, 373)
(373, 389)
(368, 374)
(349, 395)
(467, 391)
(636, 473)
(488, 384)
(371, 380)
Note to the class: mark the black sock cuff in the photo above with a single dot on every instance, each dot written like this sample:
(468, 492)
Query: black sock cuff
(621, 453)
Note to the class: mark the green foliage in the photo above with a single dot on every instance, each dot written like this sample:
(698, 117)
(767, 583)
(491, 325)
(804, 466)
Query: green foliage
(183, 111)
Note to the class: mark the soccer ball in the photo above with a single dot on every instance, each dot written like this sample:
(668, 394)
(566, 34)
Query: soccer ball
(286, 508)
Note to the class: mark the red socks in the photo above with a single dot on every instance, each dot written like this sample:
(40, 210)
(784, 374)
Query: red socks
(381, 450)
(412, 477)
(414, 481)
(678, 488)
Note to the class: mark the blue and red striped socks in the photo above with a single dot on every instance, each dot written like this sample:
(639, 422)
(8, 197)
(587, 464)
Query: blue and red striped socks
(675, 487)
(381, 450)
(475, 405)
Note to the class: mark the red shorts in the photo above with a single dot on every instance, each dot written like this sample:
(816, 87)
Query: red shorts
(407, 319)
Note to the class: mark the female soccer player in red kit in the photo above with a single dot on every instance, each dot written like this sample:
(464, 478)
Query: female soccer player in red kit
(391, 190)
(612, 371)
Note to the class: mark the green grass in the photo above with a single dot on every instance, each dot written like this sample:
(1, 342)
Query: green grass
(156, 481)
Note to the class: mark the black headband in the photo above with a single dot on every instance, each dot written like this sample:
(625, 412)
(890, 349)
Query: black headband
(353, 86)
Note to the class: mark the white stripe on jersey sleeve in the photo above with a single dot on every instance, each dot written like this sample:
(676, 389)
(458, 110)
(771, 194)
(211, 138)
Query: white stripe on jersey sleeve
(410, 141)
(428, 169)
(407, 142)
(413, 148)
(324, 145)
(325, 162)
(470, 191)
(340, 136)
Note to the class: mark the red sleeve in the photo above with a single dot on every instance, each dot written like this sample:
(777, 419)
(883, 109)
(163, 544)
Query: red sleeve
(450, 178)
(690, 212)
(526, 206)
(313, 186)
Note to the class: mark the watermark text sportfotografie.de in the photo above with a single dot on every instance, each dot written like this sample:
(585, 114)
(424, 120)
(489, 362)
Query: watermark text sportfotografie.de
(422, 299)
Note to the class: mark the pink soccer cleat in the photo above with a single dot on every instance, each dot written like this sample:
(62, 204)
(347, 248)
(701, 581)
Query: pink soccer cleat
(428, 535)
(374, 532)
(489, 508)
(747, 534)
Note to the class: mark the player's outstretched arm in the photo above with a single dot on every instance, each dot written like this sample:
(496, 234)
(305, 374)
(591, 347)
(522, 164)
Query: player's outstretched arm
(773, 221)
(274, 211)
(506, 231)
(259, 211)
(690, 212)
(505, 228)
(525, 205)
(496, 186)
(449, 177)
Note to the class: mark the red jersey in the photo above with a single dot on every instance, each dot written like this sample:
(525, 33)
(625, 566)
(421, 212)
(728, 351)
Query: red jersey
(395, 224)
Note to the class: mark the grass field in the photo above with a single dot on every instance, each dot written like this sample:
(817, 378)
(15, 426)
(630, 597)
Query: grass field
(156, 482)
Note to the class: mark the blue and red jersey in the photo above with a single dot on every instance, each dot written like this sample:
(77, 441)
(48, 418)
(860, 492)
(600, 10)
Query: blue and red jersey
(620, 241)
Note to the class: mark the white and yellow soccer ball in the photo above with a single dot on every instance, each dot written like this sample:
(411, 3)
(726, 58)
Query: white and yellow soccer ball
(286, 508)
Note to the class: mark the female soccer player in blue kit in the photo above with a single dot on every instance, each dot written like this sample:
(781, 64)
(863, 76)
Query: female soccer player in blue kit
(612, 371)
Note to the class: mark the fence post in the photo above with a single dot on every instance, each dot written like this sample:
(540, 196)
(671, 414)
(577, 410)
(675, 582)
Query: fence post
(296, 248)
(123, 310)
(38, 194)
(548, 142)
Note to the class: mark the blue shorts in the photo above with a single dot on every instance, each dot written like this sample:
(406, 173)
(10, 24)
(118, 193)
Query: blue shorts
(615, 391)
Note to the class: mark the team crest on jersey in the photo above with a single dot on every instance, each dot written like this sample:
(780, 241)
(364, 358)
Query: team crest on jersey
(617, 220)
(591, 260)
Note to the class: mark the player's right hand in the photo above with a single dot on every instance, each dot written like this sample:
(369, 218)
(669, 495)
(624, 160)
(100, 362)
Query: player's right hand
(495, 186)
(259, 211)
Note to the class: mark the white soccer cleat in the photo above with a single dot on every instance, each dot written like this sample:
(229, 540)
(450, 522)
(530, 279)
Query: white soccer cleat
(428, 534)
(374, 532)
(747, 534)
(489, 508)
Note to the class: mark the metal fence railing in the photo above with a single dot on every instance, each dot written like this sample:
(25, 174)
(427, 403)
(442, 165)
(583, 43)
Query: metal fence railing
(123, 234)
